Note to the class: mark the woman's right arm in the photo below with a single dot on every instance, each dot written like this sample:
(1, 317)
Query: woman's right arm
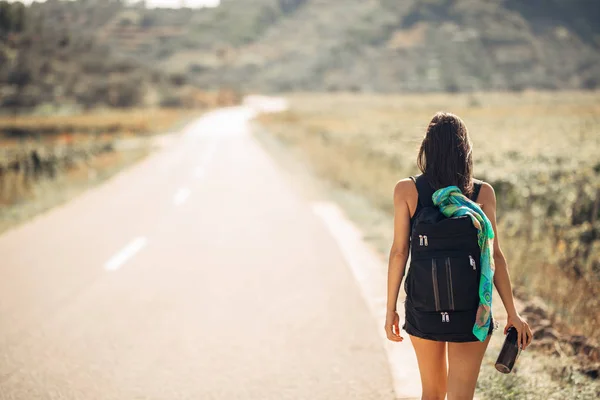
(398, 256)
(487, 197)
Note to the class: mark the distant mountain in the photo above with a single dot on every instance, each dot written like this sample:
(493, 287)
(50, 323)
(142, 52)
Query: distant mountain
(356, 45)
(408, 45)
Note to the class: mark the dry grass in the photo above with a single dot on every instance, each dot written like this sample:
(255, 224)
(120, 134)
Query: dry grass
(137, 121)
(33, 198)
(538, 150)
(76, 152)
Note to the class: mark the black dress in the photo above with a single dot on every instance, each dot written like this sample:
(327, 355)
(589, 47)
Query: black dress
(412, 321)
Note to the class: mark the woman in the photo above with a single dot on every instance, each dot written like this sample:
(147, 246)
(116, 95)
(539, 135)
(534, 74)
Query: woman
(445, 159)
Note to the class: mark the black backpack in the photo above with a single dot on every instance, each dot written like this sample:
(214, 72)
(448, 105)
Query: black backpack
(442, 285)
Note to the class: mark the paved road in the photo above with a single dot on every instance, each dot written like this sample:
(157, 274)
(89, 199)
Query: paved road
(199, 273)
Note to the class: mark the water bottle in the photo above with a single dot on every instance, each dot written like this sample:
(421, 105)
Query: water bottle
(509, 353)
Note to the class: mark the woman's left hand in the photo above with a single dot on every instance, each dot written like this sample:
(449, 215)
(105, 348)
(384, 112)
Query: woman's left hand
(522, 327)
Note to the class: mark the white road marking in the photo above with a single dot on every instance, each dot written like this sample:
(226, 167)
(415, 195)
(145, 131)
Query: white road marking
(181, 196)
(371, 276)
(209, 153)
(206, 159)
(125, 254)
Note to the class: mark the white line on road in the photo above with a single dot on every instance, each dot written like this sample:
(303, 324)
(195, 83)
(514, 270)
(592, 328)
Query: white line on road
(125, 254)
(206, 158)
(209, 153)
(371, 276)
(181, 196)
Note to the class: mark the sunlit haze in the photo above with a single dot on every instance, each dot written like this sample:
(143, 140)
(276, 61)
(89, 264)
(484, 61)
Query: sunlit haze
(209, 199)
(157, 3)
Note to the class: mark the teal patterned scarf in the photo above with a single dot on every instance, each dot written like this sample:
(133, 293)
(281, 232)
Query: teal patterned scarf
(452, 203)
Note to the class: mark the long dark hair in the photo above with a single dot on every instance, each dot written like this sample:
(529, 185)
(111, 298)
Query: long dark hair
(445, 156)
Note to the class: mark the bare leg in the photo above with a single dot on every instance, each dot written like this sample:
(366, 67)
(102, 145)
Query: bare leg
(464, 362)
(431, 357)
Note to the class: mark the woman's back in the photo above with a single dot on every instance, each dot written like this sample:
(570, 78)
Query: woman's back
(423, 195)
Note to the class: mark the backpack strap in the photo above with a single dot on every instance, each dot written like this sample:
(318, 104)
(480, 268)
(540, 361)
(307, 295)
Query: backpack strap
(476, 188)
(425, 190)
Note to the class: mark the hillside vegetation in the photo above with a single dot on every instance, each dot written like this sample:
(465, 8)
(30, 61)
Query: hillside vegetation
(52, 61)
(368, 45)
(107, 52)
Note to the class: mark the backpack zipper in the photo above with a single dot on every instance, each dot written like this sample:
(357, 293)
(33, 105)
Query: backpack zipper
(449, 283)
(472, 262)
(435, 284)
(420, 240)
(426, 241)
(445, 317)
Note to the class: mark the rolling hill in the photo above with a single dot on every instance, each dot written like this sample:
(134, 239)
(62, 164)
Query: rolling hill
(98, 48)
(375, 45)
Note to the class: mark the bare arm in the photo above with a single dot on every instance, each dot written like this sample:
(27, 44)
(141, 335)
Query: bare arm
(398, 256)
(487, 197)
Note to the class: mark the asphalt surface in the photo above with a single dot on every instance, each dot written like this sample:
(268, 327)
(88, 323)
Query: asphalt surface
(199, 273)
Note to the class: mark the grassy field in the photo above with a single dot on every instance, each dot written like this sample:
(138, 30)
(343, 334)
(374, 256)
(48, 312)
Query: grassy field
(135, 121)
(45, 161)
(540, 153)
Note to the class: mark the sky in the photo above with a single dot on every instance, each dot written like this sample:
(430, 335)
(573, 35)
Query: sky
(157, 3)
(176, 3)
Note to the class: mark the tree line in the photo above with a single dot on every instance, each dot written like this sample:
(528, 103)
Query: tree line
(13, 17)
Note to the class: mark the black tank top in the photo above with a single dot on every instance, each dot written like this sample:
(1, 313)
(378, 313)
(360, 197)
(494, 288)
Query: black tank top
(425, 189)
